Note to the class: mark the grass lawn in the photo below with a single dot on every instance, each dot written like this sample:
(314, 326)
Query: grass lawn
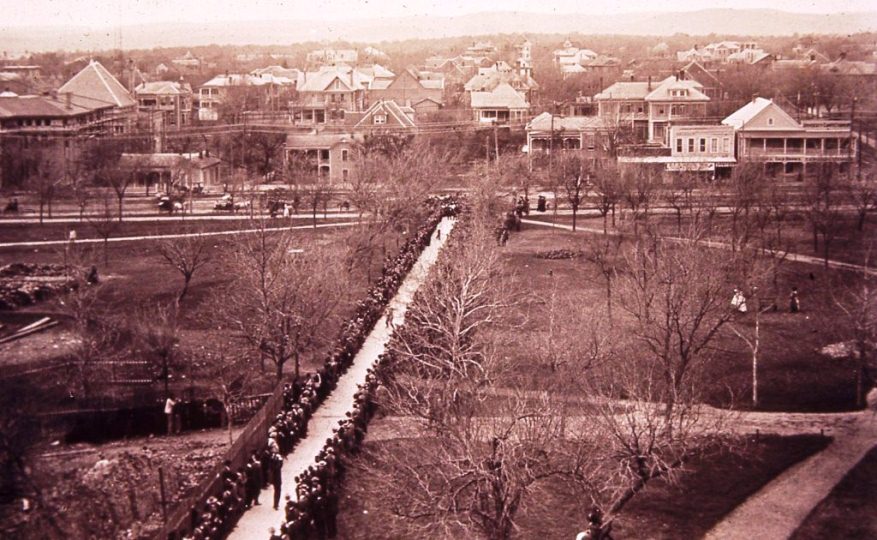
(793, 375)
(136, 279)
(850, 510)
(848, 245)
(706, 492)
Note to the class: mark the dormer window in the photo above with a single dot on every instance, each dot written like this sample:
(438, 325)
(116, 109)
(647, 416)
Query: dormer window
(380, 119)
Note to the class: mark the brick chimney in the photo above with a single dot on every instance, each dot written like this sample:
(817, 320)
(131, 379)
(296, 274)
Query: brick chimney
(68, 100)
(650, 84)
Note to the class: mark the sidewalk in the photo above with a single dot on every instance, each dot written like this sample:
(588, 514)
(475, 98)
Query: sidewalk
(779, 508)
(255, 522)
(47, 243)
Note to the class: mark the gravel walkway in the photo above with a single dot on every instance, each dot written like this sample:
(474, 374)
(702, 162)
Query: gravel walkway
(255, 522)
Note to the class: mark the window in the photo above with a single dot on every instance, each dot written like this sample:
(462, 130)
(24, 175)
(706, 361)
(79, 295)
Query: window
(770, 121)
(703, 145)
(380, 119)
(691, 145)
(324, 155)
(344, 157)
(679, 145)
(344, 174)
(714, 145)
(726, 144)
(661, 111)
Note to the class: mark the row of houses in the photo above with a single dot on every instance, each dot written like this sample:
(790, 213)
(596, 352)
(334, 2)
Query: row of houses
(761, 131)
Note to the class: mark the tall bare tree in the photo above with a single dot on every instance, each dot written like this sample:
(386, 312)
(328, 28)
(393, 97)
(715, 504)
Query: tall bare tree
(678, 296)
(284, 292)
(186, 254)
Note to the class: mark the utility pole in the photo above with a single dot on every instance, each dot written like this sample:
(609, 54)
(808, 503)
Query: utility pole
(496, 144)
(850, 144)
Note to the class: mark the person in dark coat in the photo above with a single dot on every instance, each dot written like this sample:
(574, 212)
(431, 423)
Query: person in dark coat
(794, 303)
(276, 477)
(254, 481)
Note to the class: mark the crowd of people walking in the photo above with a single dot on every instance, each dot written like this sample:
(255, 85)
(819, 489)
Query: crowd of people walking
(312, 514)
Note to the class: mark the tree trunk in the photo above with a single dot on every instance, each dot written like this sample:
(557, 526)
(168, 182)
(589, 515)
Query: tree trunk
(755, 345)
(186, 281)
(609, 298)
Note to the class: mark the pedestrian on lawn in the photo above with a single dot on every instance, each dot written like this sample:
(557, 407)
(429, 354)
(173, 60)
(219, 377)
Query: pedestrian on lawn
(169, 412)
(794, 302)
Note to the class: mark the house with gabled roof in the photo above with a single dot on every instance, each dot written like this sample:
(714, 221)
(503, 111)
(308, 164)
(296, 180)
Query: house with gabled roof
(711, 85)
(648, 108)
(385, 115)
(330, 156)
(551, 132)
(766, 133)
(171, 100)
(94, 87)
(245, 92)
(674, 100)
(501, 105)
(324, 95)
(410, 89)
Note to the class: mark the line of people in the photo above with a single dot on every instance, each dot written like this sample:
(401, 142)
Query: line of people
(313, 515)
(239, 490)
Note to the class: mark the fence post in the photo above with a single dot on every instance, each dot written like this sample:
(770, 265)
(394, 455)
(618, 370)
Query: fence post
(163, 498)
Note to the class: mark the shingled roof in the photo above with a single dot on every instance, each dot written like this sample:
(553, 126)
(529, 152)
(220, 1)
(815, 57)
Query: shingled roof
(94, 84)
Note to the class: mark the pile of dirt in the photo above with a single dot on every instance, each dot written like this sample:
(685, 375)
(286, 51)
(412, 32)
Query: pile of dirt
(114, 490)
(25, 284)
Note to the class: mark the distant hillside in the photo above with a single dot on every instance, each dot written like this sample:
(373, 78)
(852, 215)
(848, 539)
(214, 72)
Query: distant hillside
(711, 21)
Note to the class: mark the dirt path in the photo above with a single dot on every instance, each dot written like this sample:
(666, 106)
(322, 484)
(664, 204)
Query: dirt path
(795, 257)
(780, 507)
(256, 521)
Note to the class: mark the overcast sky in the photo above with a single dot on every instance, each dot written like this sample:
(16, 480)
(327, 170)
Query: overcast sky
(99, 13)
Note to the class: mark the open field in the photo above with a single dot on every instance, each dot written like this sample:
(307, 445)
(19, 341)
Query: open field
(794, 376)
(849, 245)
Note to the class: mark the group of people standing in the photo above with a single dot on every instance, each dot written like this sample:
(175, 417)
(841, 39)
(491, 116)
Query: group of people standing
(312, 515)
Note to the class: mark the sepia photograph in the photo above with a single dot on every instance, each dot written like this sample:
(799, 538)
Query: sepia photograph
(421, 269)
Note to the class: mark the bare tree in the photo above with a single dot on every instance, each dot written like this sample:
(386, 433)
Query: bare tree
(605, 254)
(624, 445)
(638, 191)
(863, 192)
(576, 177)
(678, 297)
(753, 274)
(606, 186)
(157, 335)
(104, 224)
(186, 254)
(476, 473)
(680, 196)
(226, 375)
(824, 193)
(284, 293)
(745, 190)
(858, 304)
